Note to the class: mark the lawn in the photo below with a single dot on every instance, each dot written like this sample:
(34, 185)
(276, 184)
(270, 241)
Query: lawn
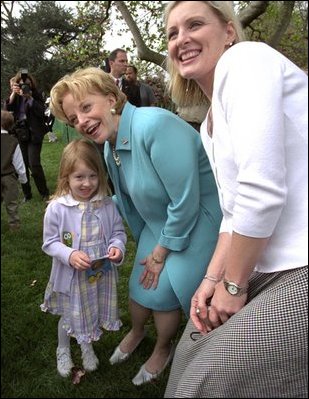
(29, 336)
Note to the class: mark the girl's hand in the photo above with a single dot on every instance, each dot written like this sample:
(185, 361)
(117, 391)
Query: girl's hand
(115, 255)
(79, 260)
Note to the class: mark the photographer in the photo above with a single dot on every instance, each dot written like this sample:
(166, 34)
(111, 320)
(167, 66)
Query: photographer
(27, 105)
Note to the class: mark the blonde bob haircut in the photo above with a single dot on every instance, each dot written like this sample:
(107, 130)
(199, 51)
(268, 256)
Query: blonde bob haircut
(186, 92)
(81, 83)
(76, 151)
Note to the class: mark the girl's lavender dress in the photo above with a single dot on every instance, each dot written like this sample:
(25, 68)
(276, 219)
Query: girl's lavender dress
(92, 303)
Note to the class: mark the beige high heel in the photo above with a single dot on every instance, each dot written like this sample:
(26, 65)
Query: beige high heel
(118, 356)
(143, 376)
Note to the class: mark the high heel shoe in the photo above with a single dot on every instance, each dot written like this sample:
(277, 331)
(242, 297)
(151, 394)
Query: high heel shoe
(143, 376)
(118, 356)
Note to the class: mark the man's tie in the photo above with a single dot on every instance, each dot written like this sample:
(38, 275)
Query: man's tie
(117, 82)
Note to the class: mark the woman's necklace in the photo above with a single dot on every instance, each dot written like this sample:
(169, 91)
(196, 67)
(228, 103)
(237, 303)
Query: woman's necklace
(116, 157)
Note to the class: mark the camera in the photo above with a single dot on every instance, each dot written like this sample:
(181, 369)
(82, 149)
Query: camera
(24, 74)
(25, 87)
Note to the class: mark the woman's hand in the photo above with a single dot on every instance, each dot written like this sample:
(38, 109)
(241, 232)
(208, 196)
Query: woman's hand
(199, 304)
(215, 310)
(150, 276)
(79, 260)
(16, 89)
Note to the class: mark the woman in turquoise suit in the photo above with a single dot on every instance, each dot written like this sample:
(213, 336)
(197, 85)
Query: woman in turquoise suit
(166, 192)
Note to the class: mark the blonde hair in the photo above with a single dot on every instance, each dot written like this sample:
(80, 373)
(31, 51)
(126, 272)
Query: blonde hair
(186, 92)
(74, 152)
(7, 120)
(80, 83)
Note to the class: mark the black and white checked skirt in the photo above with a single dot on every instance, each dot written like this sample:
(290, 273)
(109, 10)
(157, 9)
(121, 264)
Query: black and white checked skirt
(260, 352)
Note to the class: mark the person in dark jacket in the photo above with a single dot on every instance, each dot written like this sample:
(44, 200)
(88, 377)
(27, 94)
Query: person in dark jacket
(12, 170)
(118, 63)
(27, 105)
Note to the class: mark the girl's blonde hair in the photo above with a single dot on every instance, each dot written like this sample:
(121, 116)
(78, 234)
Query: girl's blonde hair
(80, 83)
(186, 92)
(74, 152)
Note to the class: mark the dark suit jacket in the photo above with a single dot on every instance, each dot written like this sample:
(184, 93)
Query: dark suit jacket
(132, 92)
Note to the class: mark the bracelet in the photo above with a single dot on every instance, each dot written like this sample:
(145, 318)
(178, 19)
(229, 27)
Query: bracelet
(213, 279)
(157, 260)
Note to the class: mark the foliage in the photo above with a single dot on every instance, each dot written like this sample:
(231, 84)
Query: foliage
(87, 48)
(29, 336)
(148, 17)
(26, 43)
(293, 43)
(51, 40)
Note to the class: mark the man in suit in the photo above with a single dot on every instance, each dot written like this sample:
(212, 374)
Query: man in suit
(118, 63)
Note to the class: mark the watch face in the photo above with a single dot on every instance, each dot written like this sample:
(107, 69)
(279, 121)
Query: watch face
(232, 289)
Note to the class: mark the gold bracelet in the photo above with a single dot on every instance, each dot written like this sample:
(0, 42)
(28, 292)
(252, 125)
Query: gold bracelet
(157, 260)
(213, 279)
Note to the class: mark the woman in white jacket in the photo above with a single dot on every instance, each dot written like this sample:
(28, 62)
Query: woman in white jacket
(249, 315)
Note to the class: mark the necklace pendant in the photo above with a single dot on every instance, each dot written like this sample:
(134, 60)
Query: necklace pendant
(116, 157)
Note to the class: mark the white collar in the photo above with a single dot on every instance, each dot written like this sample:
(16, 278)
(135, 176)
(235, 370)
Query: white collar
(68, 200)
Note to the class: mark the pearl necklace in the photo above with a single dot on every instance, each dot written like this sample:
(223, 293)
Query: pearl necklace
(116, 157)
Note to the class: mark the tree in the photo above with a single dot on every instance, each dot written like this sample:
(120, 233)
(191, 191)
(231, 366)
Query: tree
(52, 40)
(26, 41)
(252, 14)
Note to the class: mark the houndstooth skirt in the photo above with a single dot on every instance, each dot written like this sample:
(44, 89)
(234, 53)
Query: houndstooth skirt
(260, 352)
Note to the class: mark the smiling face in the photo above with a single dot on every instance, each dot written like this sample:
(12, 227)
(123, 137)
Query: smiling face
(197, 38)
(91, 116)
(83, 182)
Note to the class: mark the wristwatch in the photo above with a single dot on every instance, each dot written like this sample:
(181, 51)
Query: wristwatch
(234, 289)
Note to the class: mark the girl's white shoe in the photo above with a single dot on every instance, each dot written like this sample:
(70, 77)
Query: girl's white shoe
(90, 361)
(64, 361)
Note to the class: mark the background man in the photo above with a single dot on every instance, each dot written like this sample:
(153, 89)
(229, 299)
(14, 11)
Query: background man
(146, 93)
(118, 62)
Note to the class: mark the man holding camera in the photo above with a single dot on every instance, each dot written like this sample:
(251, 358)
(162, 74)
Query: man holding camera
(27, 106)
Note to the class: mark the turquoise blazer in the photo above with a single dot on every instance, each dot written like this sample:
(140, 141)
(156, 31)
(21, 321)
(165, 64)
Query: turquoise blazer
(165, 190)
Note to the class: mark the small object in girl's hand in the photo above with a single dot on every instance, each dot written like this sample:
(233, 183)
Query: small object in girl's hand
(77, 374)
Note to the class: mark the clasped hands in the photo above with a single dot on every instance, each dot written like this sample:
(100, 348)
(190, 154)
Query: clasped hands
(212, 306)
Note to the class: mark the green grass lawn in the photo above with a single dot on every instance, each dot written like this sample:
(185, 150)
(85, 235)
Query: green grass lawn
(29, 336)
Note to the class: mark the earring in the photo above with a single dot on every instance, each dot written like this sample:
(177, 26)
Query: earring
(231, 44)
(113, 111)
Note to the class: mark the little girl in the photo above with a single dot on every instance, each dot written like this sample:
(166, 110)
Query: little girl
(84, 234)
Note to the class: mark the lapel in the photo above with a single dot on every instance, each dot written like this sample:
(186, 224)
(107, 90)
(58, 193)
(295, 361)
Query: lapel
(124, 135)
